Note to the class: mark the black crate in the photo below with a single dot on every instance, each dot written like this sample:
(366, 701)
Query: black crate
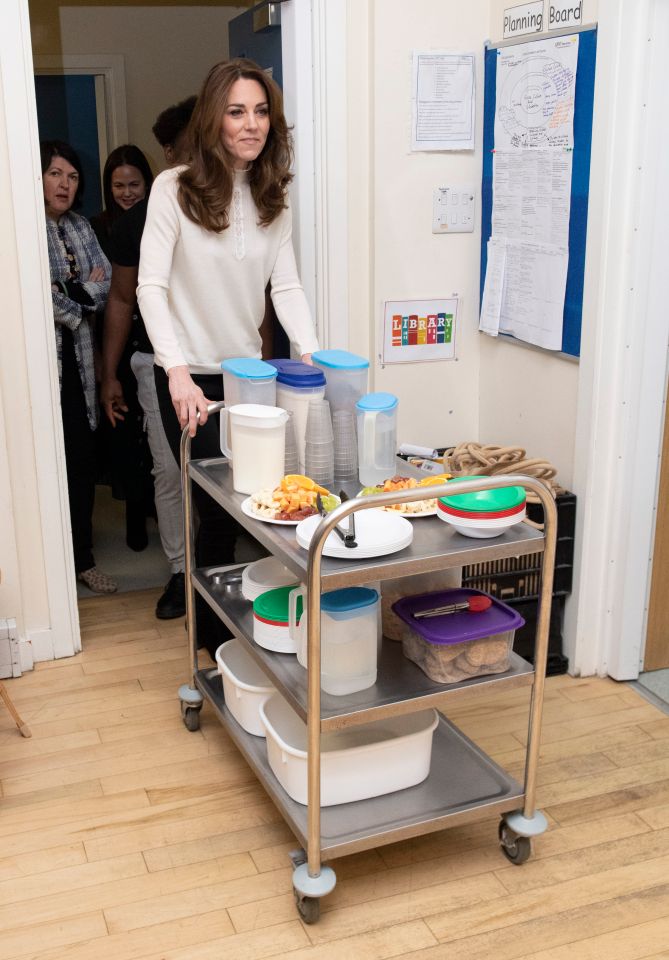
(517, 581)
(525, 636)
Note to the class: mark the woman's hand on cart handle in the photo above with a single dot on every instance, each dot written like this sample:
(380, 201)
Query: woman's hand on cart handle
(188, 399)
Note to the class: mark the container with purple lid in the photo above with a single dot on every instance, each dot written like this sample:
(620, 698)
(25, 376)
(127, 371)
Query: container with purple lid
(457, 646)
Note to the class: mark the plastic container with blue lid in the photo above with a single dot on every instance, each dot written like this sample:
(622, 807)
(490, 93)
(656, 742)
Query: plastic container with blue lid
(294, 373)
(348, 638)
(339, 360)
(247, 380)
(297, 384)
(376, 416)
(346, 375)
(378, 402)
(342, 604)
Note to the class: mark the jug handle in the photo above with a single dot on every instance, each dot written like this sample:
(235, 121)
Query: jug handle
(292, 613)
(224, 433)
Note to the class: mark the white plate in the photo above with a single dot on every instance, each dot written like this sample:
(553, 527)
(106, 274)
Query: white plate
(247, 508)
(432, 512)
(412, 516)
(377, 533)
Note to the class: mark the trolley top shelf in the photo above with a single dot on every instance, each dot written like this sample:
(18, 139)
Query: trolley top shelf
(435, 545)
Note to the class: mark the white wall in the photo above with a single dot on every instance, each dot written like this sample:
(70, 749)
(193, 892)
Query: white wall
(168, 51)
(529, 397)
(393, 253)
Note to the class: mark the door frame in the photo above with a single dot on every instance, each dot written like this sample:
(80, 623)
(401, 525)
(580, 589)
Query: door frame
(43, 564)
(109, 72)
(624, 350)
(313, 38)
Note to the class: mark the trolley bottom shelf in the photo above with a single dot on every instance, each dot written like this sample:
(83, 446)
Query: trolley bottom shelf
(464, 785)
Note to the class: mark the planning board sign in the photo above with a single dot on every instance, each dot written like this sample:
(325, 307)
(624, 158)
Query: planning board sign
(564, 13)
(523, 19)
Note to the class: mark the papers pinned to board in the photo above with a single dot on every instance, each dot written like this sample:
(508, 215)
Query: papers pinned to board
(528, 252)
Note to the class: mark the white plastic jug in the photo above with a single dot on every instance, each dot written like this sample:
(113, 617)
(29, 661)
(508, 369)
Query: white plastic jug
(348, 637)
(257, 448)
(377, 437)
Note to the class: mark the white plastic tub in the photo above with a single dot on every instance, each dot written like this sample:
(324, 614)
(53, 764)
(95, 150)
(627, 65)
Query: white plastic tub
(245, 686)
(356, 763)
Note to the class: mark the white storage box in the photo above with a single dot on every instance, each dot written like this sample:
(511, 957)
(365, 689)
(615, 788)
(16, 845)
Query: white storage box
(245, 686)
(356, 763)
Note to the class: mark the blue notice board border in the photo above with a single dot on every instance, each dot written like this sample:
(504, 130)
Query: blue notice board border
(578, 220)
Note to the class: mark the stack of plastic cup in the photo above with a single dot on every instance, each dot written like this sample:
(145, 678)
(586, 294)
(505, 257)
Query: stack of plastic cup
(291, 460)
(345, 446)
(319, 443)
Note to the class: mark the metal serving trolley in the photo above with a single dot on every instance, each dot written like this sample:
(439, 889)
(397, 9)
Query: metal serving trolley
(464, 784)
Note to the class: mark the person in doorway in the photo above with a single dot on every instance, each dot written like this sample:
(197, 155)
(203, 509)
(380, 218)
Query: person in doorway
(123, 454)
(80, 275)
(126, 179)
(124, 330)
(218, 230)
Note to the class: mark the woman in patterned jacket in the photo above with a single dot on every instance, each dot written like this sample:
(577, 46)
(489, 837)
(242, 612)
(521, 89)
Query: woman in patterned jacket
(80, 275)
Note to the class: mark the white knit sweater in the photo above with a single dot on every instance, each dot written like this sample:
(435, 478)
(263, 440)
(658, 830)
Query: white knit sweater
(202, 294)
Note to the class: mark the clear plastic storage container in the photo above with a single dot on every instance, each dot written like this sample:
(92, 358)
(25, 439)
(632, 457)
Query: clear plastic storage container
(377, 437)
(298, 383)
(349, 643)
(246, 380)
(346, 377)
(457, 646)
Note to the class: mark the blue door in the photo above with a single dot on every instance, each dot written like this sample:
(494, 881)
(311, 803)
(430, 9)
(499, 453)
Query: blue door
(66, 110)
(263, 46)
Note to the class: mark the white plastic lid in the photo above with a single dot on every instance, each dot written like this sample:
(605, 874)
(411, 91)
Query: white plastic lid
(258, 414)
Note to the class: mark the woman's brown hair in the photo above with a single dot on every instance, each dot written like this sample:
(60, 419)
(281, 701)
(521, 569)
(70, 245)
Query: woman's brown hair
(205, 187)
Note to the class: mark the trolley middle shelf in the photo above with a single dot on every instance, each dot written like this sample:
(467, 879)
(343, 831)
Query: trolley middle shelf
(401, 686)
(464, 785)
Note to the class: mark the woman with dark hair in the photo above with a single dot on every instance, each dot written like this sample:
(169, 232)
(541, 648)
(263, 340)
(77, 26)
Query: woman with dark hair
(126, 179)
(123, 454)
(80, 275)
(217, 232)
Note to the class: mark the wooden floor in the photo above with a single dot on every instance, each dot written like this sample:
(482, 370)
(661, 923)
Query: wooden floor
(126, 837)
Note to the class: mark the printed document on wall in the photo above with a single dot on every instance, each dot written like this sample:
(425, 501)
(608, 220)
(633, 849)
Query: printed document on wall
(536, 84)
(493, 287)
(532, 195)
(442, 101)
(535, 278)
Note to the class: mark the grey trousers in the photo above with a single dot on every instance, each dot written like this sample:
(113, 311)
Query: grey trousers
(166, 474)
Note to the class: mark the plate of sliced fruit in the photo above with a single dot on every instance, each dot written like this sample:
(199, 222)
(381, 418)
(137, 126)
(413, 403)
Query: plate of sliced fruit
(292, 501)
(415, 508)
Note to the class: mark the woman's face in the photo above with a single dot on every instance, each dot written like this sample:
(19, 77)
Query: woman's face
(245, 122)
(60, 182)
(127, 186)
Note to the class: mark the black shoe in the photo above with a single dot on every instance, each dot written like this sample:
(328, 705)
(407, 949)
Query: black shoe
(172, 603)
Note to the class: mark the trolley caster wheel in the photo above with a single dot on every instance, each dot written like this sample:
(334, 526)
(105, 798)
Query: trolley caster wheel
(515, 848)
(191, 717)
(309, 908)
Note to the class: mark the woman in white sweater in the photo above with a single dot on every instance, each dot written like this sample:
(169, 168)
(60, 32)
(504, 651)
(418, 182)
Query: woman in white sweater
(217, 232)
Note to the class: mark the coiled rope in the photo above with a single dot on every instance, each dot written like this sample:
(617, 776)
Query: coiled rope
(489, 459)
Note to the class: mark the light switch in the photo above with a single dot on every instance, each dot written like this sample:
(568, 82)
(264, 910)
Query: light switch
(453, 209)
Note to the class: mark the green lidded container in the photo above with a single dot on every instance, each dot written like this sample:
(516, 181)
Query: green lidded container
(485, 501)
(272, 606)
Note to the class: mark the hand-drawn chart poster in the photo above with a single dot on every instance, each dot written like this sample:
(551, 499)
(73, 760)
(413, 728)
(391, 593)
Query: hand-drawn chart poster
(418, 330)
(536, 85)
